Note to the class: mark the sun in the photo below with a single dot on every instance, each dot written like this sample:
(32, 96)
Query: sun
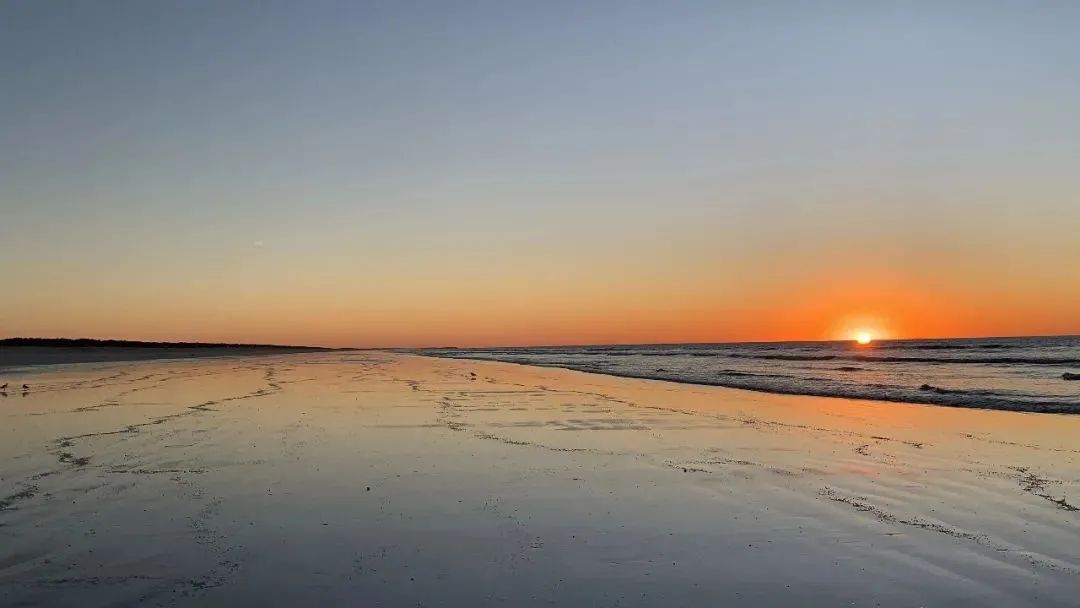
(863, 337)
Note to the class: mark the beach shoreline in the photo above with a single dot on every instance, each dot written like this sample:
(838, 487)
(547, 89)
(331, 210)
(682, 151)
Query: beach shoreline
(393, 479)
(648, 378)
(1027, 374)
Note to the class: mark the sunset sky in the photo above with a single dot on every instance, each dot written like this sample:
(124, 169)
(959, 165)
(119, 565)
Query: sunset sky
(472, 173)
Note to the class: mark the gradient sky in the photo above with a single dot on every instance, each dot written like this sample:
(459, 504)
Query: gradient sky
(425, 173)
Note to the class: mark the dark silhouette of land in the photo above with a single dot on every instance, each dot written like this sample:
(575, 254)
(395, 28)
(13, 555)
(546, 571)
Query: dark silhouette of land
(94, 343)
(46, 351)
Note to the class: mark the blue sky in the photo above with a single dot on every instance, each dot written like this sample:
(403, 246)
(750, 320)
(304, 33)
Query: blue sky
(427, 148)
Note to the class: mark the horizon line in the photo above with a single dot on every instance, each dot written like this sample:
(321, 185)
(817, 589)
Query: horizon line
(150, 343)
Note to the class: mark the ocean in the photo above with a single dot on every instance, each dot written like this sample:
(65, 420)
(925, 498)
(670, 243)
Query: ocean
(1022, 374)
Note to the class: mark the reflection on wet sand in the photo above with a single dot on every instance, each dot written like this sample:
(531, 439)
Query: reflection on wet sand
(381, 479)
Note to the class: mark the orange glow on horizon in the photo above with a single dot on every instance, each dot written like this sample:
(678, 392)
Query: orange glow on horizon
(483, 305)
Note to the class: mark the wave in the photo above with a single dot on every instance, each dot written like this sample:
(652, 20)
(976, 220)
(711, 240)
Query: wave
(889, 359)
(902, 346)
(984, 360)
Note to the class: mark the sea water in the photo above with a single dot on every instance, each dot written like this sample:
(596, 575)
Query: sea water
(1023, 374)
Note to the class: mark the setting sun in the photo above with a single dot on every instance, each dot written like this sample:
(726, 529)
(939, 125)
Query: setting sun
(863, 337)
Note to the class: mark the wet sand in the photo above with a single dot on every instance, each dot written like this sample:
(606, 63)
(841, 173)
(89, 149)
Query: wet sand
(394, 480)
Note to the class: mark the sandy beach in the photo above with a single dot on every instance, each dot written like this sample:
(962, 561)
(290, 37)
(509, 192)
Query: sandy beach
(379, 479)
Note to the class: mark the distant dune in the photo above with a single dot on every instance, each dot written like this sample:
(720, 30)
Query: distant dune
(49, 351)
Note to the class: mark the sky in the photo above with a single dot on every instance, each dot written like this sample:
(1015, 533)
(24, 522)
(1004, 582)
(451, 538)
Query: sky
(472, 173)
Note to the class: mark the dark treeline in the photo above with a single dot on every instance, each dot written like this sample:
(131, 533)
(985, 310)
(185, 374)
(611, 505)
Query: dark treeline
(92, 343)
